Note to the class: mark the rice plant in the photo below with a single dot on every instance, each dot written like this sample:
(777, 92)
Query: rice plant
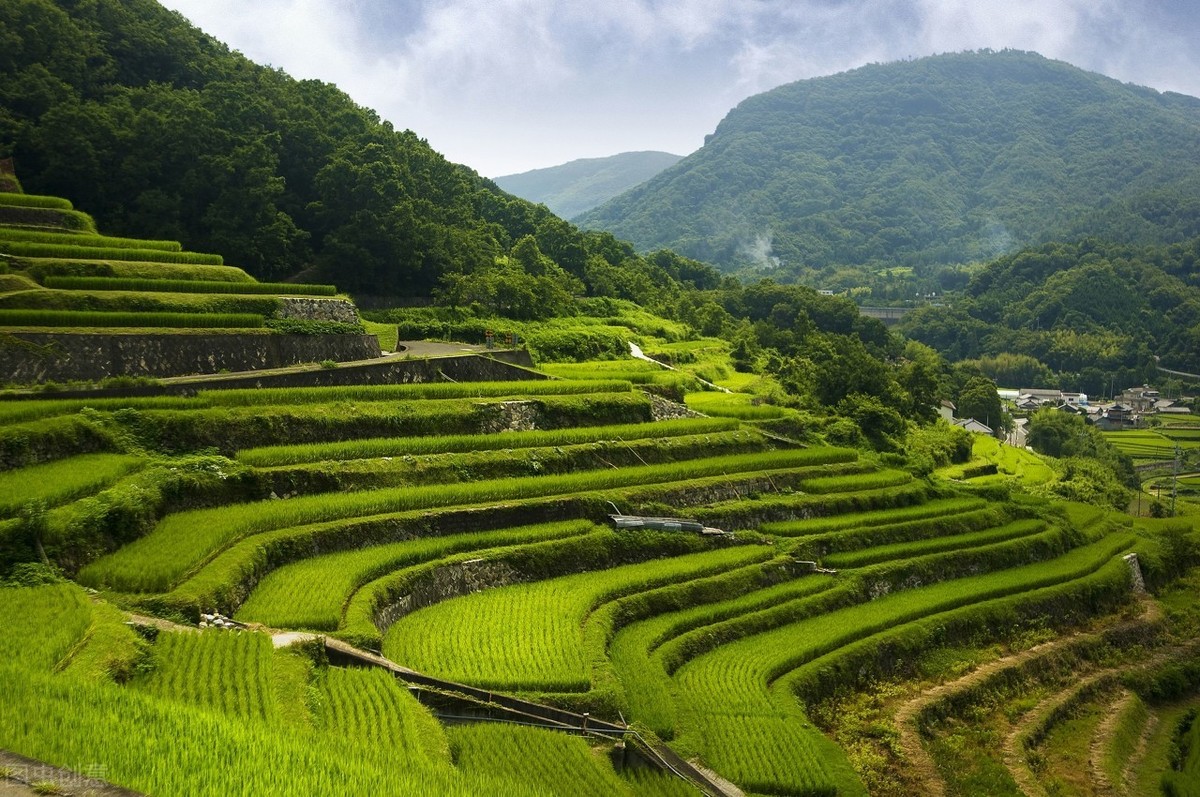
(185, 286)
(103, 320)
(311, 593)
(85, 239)
(529, 637)
(366, 448)
(62, 480)
(35, 201)
(60, 250)
(183, 541)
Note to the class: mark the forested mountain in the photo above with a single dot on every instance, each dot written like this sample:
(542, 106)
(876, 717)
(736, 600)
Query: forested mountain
(162, 132)
(572, 188)
(943, 160)
(1090, 311)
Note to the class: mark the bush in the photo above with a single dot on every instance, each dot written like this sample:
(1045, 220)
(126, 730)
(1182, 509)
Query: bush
(297, 326)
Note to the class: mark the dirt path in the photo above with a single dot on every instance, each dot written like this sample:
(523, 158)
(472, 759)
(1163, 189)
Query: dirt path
(1104, 733)
(922, 763)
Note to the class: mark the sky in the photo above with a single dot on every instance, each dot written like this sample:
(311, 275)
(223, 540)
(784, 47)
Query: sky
(505, 86)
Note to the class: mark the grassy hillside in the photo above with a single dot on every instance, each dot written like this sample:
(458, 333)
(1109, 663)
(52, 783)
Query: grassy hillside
(572, 188)
(923, 164)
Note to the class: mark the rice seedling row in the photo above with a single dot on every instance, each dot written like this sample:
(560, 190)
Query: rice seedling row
(63, 480)
(42, 267)
(20, 411)
(184, 541)
(769, 754)
(820, 546)
(28, 249)
(224, 671)
(423, 391)
(86, 239)
(922, 511)
(35, 201)
(272, 456)
(761, 673)
(536, 757)
(218, 583)
(160, 746)
(42, 625)
(102, 319)
(54, 219)
(873, 480)
(312, 592)
(370, 704)
(185, 286)
(376, 473)
(906, 550)
(734, 677)
(647, 685)
(529, 637)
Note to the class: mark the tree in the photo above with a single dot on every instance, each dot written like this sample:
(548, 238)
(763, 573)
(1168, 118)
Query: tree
(979, 400)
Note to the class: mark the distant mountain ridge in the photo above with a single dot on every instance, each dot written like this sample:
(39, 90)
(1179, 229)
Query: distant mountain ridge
(943, 160)
(579, 186)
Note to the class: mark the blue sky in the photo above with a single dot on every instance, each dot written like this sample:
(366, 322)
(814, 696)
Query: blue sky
(510, 85)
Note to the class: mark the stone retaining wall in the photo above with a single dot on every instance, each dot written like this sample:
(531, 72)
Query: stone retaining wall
(37, 357)
(310, 309)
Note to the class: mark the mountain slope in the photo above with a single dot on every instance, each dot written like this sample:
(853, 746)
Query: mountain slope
(578, 186)
(164, 133)
(942, 160)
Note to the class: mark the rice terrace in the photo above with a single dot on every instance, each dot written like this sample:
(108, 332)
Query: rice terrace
(412, 519)
(240, 559)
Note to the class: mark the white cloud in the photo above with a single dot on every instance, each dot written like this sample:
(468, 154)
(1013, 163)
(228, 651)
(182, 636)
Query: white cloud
(508, 85)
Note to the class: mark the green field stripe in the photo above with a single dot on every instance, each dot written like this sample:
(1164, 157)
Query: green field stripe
(367, 448)
(89, 319)
(183, 541)
(185, 286)
(311, 593)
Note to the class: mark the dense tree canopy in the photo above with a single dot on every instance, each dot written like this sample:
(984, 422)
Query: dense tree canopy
(161, 132)
(1095, 313)
(888, 175)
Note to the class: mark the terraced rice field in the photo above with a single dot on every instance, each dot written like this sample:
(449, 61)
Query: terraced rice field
(831, 569)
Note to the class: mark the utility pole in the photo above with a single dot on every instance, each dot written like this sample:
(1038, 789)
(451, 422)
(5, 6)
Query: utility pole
(1175, 480)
